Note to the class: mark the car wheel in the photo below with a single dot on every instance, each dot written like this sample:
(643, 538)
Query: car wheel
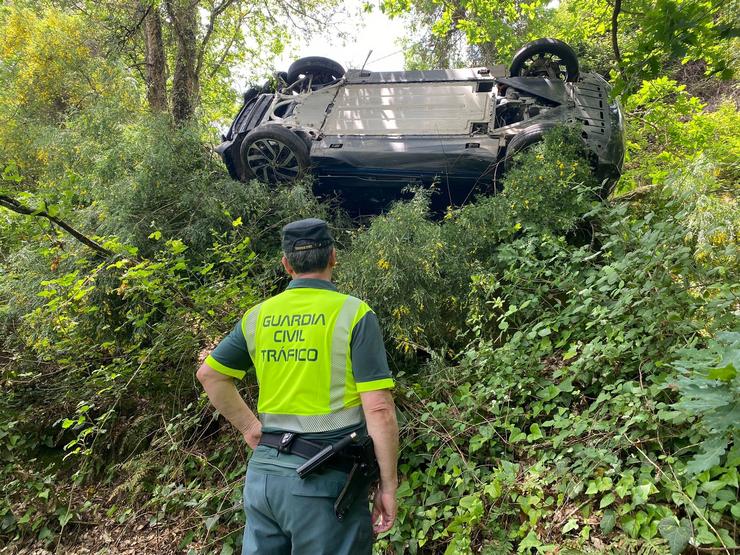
(523, 140)
(251, 93)
(274, 154)
(548, 58)
(322, 70)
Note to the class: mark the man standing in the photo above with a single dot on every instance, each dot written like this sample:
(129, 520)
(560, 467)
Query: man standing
(323, 376)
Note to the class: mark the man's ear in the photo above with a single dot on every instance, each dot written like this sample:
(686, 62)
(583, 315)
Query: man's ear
(333, 258)
(287, 266)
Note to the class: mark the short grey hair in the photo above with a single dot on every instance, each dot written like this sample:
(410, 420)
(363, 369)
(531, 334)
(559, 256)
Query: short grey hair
(311, 260)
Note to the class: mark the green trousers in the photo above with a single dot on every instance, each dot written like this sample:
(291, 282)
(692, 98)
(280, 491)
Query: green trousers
(290, 516)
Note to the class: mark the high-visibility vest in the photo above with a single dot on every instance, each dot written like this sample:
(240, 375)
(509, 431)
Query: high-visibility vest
(299, 342)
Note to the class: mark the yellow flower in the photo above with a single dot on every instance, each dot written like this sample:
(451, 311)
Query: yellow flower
(718, 238)
(400, 311)
(383, 264)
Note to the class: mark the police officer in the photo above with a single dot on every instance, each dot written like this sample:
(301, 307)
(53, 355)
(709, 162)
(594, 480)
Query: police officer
(323, 374)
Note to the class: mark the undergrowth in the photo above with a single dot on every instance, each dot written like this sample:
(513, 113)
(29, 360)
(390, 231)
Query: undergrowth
(567, 368)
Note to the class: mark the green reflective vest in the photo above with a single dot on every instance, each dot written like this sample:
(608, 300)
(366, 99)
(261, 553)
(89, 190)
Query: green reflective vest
(299, 342)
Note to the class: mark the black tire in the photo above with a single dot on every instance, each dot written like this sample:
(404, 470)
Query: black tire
(555, 47)
(322, 70)
(251, 93)
(529, 136)
(274, 154)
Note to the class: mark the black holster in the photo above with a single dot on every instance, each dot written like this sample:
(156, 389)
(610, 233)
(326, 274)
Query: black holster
(364, 473)
(352, 454)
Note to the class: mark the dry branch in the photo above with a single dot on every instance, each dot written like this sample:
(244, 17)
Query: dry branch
(15, 206)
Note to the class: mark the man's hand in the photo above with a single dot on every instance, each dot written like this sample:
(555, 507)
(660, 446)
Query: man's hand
(253, 434)
(225, 397)
(380, 416)
(384, 509)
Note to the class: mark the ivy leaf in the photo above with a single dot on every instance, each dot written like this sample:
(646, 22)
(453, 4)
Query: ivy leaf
(211, 521)
(65, 516)
(572, 524)
(726, 373)
(711, 451)
(608, 521)
(404, 490)
(607, 500)
(534, 433)
(676, 533)
(640, 494)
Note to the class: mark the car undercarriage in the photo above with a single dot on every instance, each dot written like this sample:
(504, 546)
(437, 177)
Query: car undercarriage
(372, 134)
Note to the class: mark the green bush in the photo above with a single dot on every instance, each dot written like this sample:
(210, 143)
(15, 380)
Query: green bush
(548, 414)
(554, 392)
(420, 276)
(558, 424)
(668, 128)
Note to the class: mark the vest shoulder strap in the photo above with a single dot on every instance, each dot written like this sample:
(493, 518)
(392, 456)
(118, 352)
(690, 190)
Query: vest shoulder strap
(249, 328)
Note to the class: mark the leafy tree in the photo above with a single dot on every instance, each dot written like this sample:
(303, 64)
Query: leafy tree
(636, 38)
(463, 31)
(640, 39)
(185, 51)
(51, 70)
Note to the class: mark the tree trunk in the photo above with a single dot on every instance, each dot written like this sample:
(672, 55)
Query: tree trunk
(156, 63)
(185, 82)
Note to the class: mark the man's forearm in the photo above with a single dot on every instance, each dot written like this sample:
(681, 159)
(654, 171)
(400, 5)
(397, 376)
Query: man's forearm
(382, 426)
(385, 439)
(226, 399)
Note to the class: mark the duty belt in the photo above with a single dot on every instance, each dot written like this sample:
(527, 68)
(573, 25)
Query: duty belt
(291, 444)
(350, 454)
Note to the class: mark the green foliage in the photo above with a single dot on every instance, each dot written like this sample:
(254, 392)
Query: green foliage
(154, 178)
(448, 34)
(652, 35)
(567, 368)
(563, 373)
(667, 126)
(663, 30)
(551, 185)
(709, 393)
(414, 271)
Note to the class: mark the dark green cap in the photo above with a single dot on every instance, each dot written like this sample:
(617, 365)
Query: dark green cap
(304, 235)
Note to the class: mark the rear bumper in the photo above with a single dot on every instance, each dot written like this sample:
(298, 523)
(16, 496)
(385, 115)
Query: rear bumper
(229, 153)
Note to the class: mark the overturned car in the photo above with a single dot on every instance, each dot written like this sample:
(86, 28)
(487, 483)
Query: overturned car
(374, 133)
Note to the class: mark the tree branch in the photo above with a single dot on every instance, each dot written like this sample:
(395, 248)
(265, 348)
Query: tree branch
(615, 28)
(237, 33)
(635, 194)
(217, 10)
(15, 206)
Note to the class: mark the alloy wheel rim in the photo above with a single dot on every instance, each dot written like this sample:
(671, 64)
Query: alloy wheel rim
(537, 64)
(272, 161)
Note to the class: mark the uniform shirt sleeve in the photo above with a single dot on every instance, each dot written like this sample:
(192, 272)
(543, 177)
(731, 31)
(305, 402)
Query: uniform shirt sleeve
(231, 357)
(369, 361)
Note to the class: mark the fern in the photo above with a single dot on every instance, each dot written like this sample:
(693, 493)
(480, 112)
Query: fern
(639, 546)
(497, 547)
